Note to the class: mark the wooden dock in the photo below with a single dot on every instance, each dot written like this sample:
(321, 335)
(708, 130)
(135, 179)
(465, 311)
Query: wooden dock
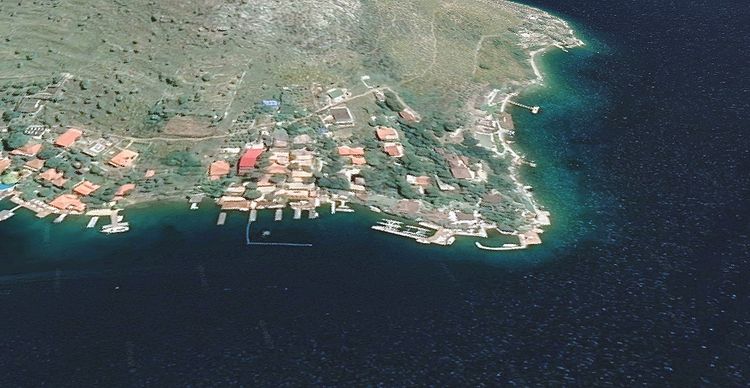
(92, 222)
(222, 219)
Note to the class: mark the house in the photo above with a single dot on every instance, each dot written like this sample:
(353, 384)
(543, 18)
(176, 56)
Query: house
(36, 131)
(29, 150)
(386, 134)
(85, 188)
(409, 115)
(248, 160)
(234, 203)
(68, 202)
(124, 159)
(300, 174)
(280, 157)
(277, 169)
(342, 116)
(4, 164)
(422, 180)
(460, 171)
(218, 169)
(53, 176)
(358, 160)
(68, 138)
(34, 164)
(394, 150)
(124, 190)
(302, 139)
(351, 151)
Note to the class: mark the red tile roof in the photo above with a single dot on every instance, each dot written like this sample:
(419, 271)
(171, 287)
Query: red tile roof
(124, 159)
(218, 169)
(385, 133)
(85, 188)
(68, 138)
(351, 151)
(249, 159)
(68, 202)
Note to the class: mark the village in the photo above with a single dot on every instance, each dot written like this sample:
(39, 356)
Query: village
(338, 157)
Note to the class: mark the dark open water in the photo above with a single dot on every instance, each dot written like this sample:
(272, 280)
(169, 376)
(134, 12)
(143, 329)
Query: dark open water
(643, 156)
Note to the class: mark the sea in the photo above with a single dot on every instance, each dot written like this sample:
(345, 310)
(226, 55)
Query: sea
(642, 157)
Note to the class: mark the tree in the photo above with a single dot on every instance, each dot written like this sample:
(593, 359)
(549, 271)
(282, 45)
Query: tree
(47, 153)
(252, 194)
(16, 140)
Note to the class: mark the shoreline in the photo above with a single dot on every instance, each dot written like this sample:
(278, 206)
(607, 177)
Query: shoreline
(534, 218)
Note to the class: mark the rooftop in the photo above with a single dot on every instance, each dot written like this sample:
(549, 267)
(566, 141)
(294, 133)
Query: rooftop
(68, 138)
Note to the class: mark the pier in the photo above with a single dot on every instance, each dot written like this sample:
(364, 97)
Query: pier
(279, 215)
(533, 109)
(397, 228)
(92, 222)
(253, 215)
(297, 213)
(313, 214)
(222, 219)
(60, 218)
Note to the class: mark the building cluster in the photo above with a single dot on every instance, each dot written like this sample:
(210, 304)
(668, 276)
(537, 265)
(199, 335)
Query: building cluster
(279, 173)
(69, 178)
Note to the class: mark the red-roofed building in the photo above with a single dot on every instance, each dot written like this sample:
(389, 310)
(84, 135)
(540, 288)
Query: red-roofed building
(351, 151)
(85, 188)
(124, 190)
(67, 202)
(4, 164)
(248, 160)
(34, 164)
(28, 150)
(218, 169)
(68, 138)
(386, 134)
(394, 150)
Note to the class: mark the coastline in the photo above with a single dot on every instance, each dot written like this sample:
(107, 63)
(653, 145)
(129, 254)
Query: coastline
(540, 215)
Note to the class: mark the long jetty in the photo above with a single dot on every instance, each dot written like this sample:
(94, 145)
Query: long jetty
(533, 109)
(271, 244)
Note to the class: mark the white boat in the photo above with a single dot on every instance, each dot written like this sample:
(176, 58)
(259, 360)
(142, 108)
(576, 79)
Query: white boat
(116, 228)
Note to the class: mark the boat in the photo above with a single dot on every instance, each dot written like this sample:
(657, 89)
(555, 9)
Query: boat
(121, 227)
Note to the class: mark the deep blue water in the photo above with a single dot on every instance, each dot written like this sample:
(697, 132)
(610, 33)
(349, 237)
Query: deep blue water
(642, 151)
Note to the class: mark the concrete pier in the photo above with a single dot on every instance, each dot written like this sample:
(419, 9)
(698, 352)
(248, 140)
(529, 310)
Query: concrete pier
(92, 222)
(60, 218)
(222, 219)
(278, 216)
(297, 213)
(253, 215)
